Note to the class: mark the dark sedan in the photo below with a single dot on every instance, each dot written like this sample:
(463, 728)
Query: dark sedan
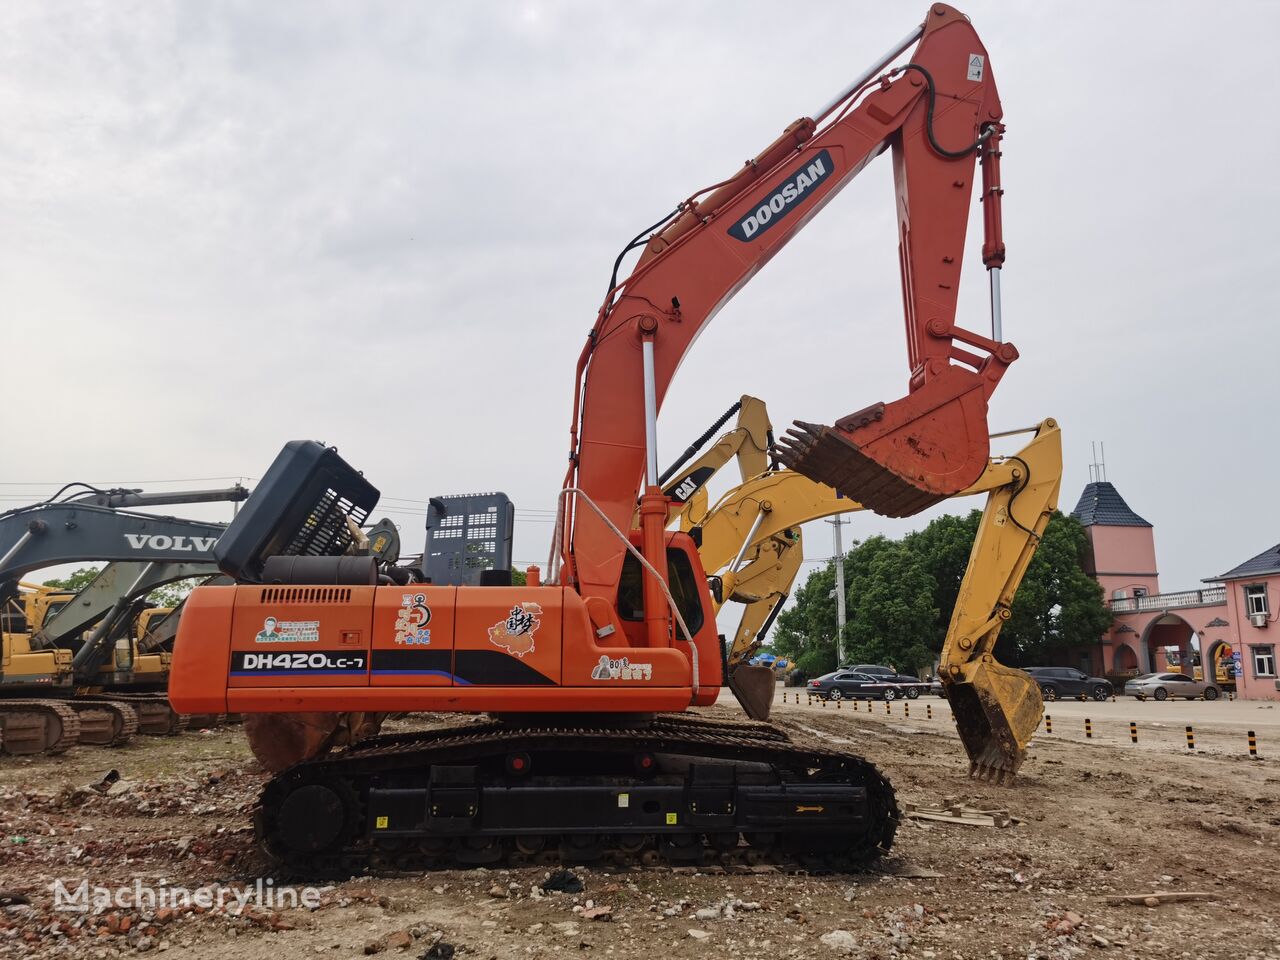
(848, 685)
(1058, 682)
(908, 686)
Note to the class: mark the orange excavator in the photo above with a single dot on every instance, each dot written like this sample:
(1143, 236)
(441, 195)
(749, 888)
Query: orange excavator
(586, 677)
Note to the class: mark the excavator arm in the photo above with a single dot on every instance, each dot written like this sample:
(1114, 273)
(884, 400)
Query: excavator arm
(936, 115)
(143, 552)
(997, 708)
(749, 442)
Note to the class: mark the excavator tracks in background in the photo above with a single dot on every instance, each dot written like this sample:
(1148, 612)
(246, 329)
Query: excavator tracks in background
(104, 722)
(30, 726)
(156, 718)
(38, 726)
(678, 789)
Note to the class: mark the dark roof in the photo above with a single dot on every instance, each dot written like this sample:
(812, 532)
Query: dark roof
(1102, 504)
(1267, 562)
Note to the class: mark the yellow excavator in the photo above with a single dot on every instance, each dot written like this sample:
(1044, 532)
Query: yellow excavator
(751, 544)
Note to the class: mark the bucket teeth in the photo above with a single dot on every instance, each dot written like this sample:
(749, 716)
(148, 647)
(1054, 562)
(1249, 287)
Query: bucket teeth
(825, 455)
(991, 773)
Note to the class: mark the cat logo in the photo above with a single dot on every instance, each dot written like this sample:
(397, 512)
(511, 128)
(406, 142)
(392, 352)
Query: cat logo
(686, 489)
(816, 808)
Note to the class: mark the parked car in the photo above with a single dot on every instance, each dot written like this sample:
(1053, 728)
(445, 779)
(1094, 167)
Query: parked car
(935, 686)
(848, 684)
(1162, 686)
(911, 686)
(1058, 682)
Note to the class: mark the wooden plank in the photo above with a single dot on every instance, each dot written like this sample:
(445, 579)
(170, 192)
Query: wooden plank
(1157, 897)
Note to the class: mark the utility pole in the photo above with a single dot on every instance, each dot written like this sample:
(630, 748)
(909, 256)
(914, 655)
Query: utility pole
(837, 523)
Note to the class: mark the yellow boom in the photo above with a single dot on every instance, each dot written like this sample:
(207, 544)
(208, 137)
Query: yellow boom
(751, 540)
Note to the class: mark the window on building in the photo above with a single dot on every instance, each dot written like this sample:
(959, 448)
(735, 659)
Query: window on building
(1119, 595)
(1139, 591)
(1255, 599)
(1264, 661)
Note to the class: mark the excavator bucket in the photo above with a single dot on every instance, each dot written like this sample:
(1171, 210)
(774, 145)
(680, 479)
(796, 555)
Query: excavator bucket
(997, 710)
(899, 458)
(753, 687)
(279, 740)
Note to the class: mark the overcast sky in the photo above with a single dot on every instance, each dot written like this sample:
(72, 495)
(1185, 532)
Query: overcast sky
(388, 227)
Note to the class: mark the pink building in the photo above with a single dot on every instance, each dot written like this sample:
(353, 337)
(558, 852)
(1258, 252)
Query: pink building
(1232, 619)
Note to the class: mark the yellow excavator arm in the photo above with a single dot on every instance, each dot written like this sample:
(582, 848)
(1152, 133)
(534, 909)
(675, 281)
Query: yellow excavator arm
(685, 484)
(997, 708)
(751, 541)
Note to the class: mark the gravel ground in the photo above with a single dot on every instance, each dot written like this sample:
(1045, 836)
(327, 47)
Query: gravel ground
(1098, 818)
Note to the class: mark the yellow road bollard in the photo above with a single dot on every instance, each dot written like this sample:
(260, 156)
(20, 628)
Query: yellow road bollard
(1191, 738)
(906, 709)
(1253, 745)
(1048, 724)
(838, 703)
(1133, 732)
(888, 708)
(1088, 728)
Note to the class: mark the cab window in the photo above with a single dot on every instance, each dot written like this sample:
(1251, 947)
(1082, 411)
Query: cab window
(684, 589)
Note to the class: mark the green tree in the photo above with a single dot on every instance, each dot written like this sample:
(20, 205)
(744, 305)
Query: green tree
(889, 605)
(806, 632)
(76, 581)
(172, 594)
(1058, 606)
(900, 595)
(944, 547)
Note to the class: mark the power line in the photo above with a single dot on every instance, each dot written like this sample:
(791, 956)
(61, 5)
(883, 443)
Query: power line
(108, 483)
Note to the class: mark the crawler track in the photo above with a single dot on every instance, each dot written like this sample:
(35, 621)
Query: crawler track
(38, 726)
(677, 789)
(156, 718)
(104, 722)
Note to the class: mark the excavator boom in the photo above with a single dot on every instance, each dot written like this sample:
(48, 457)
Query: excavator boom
(935, 115)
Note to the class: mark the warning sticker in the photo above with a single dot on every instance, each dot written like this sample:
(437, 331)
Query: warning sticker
(976, 63)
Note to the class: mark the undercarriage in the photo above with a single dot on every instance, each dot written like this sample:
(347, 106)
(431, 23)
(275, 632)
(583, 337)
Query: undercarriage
(678, 789)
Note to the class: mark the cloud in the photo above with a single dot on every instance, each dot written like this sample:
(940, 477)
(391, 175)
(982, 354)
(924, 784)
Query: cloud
(389, 227)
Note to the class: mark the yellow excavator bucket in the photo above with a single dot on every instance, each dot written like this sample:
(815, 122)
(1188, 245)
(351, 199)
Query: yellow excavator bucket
(753, 687)
(997, 710)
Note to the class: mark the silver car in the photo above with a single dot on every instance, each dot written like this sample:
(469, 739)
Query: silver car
(1162, 686)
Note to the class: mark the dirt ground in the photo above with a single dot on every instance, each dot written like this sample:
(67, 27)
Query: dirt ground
(1098, 818)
